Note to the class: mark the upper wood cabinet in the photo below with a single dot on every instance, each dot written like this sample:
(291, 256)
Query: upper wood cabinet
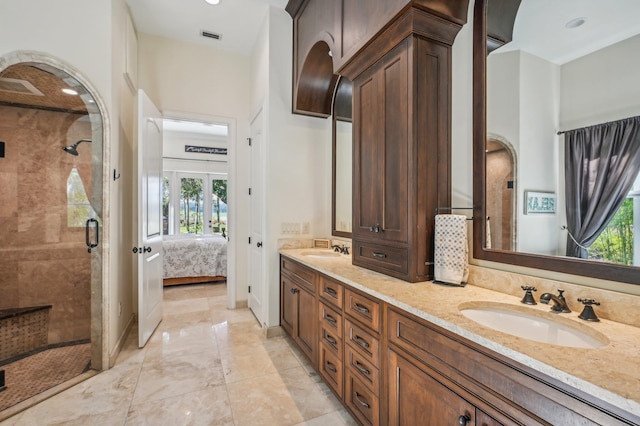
(329, 34)
(401, 158)
(398, 54)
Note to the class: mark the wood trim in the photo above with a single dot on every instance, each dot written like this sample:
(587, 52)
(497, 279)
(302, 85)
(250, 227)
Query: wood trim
(192, 280)
(410, 21)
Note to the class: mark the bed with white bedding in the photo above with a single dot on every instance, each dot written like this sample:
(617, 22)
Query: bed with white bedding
(193, 259)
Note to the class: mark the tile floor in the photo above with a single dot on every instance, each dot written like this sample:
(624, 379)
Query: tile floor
(204, 365)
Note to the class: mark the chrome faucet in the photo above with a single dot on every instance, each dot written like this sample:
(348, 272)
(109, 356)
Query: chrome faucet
(559, 302)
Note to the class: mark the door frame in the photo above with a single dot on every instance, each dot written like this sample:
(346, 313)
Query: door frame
(232, 194)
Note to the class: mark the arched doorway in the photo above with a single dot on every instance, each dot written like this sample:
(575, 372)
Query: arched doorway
(501, 193)
(53, 130)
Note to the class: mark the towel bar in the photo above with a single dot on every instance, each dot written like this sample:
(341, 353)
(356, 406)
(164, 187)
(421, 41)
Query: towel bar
(455, 208)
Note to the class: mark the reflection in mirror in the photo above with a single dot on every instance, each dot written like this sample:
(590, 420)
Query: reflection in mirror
(342, 159)
(568, 78)
(501, 194)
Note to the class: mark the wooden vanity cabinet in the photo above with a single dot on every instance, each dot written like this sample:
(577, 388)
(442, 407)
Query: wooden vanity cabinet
(391, 367)
(298, 305)
(419, 396)
(401, 158)
(446, 373)
(362, 332)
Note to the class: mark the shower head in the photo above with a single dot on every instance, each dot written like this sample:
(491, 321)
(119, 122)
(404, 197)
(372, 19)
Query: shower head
(73, 149)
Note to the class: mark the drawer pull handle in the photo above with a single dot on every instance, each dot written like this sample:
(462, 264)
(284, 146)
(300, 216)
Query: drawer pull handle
(331, 367)
(331, 291)
(363, 403)
(360, 368)
(331, 340)
(294, 290)
(331, 319)
(379, 255)
(360, 341)
(362, 309)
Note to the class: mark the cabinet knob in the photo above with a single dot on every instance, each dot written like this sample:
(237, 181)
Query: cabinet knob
(375, 228)
(294, 290)
(464, 419)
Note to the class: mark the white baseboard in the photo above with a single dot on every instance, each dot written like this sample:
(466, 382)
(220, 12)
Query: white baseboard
(113, 356)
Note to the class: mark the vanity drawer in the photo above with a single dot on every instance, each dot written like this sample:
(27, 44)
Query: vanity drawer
(332, 291)
(362, 342)
(331, 369)
(306, 277)
(363, 369)
(363, 309)
(360, 400)
(381, 256)
(330, 339)
(330, 319)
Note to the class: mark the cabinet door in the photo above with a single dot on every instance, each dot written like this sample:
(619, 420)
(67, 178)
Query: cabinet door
(288, 305)
(394, 144)
(416, 398)
(381, 148)
(307, 324)
(366, 155)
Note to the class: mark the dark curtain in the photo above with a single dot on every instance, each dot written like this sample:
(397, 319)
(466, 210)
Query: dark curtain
(601, 164)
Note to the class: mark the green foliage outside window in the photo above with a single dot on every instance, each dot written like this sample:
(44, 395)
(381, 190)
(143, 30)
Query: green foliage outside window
(615, 243)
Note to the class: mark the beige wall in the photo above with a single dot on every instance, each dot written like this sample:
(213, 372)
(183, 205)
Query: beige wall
(298, 152)
(197, 81)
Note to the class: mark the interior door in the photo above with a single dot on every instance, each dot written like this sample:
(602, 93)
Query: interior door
(256, 258)
(149, 249)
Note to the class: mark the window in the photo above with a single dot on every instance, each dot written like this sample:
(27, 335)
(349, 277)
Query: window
(78, 206)
(194, 204)
(616, 242)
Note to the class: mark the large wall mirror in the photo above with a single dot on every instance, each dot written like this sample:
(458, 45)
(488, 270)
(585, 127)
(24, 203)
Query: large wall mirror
(557, 135)
(342, 159)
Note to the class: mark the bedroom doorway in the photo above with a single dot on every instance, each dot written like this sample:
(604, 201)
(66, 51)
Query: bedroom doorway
(197, 200)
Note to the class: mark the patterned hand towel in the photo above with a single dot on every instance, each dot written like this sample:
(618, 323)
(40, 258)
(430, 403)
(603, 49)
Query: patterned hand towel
(451, 257)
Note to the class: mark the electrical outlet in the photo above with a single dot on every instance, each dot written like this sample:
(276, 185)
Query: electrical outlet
(306, 228)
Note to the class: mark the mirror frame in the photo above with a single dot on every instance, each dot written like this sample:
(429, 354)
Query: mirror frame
(338, 114)
(573, 266)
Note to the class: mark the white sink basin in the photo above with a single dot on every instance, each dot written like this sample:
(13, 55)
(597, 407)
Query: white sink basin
(534, 325)
(320, 254)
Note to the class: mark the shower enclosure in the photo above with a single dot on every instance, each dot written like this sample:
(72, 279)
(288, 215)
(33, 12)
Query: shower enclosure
(51, 187)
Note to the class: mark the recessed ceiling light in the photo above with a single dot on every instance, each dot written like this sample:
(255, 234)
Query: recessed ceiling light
(70, 91)
(212, 1)
(575, 23)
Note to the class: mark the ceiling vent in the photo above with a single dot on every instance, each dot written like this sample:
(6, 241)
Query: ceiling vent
(210, 34)
(21, 87)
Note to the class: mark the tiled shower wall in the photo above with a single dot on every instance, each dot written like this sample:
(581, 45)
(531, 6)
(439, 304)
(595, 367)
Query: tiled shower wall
(42, 260)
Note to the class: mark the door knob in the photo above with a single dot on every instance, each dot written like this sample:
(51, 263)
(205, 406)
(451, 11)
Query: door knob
(464, 419)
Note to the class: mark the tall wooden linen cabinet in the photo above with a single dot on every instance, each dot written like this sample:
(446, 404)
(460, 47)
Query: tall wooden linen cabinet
(398, 55)
(401, 158)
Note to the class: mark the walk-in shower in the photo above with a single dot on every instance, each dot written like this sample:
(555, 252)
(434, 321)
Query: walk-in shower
(47, 275)
(73, 149)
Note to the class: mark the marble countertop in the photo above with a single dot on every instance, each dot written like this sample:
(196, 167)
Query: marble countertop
(611, 373)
